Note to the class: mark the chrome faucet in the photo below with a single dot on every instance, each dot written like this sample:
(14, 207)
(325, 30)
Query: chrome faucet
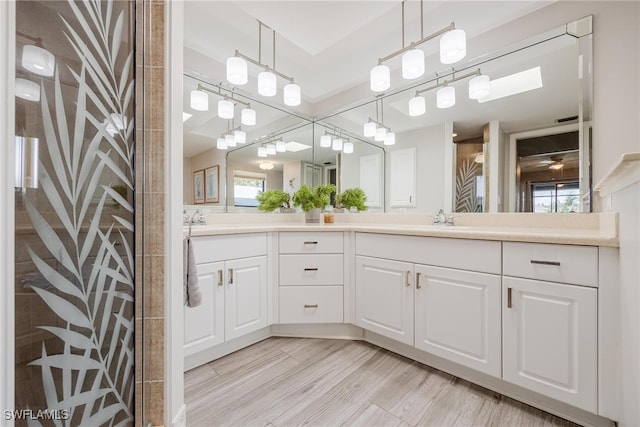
(197, 218)
(442, 219)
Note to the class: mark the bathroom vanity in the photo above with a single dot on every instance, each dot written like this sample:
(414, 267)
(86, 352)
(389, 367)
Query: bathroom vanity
(525, 309)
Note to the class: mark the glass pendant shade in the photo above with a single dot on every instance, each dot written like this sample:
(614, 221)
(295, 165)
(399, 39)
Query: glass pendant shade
(38, 60)
(380, 78)
(390, 138)
(221, 144)
(479, 87)
(281, 146)
(325, 141)
(267, 85)
(380, 134)
(199, 100)
(347, 148)
(240, 136)
(225, 109)
(248, 117)
(262, 151)
(413, 64)
(26, 89)
(417, 106)
(230, 140)
(446, 97)
(453, 46)
(369, 130)
(271, 149)
(237, 72)
(337, 144)
(291, 95)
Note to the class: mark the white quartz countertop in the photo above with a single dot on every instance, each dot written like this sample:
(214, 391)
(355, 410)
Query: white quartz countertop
(571, 229)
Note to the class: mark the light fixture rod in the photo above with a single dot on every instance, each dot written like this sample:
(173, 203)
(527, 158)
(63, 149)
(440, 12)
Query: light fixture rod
(200, 87)
(403, 23)
(260, 64)
(450, 27)
(421, 19)
(455, 79)
(259, 41)
(274, 49)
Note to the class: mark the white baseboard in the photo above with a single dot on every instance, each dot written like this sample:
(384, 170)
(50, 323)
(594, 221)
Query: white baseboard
(180, 419)
(329, 331)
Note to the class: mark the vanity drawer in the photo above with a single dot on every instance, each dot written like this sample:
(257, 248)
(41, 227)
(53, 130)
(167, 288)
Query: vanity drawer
(219, 248)
(330, 242)
(576, 265)
(311, 304)
(322, 269)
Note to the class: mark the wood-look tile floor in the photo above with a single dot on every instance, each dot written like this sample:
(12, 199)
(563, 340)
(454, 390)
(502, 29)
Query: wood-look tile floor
(319, 382)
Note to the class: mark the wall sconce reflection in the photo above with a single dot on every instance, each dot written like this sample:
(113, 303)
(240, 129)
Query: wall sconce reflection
(26, 163)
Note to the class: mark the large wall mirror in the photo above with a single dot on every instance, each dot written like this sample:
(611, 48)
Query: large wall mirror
(523, 148)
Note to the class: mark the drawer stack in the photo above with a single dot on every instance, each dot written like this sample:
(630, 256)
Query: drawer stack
(311, 277)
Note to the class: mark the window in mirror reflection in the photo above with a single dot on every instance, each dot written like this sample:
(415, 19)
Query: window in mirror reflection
(557, 197)
(470, 188)
(246, 186)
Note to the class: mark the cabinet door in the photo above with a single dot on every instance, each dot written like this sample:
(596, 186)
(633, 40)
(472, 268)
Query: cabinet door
(245, 296)
(458, 317)
(384, 297)
(204, 324)
(402, 186)
(550, 339)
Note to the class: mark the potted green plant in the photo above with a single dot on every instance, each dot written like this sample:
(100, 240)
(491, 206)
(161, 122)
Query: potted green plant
(311, 200)
(352, 197)
(269, 201)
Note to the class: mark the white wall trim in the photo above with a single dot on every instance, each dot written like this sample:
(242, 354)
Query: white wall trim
(7, 206)
(174, 309)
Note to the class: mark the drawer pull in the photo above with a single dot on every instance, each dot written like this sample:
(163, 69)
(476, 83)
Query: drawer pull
(311, 269)
(509, 304)
(311, 306)
(418, 281)
(535, 261)
(220, 279)
(310, 242)
(231, 276)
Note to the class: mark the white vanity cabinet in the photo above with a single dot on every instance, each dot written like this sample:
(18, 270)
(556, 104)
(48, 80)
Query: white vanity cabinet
(439, 295)
(232, 277)
(311, 277)
(550, 321)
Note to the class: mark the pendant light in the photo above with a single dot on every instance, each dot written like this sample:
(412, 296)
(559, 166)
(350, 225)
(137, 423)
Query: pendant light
(369, 129)
(271, 149)
(199, 100)
(292, 95)
(380, 78)
(417, 106)
(337, 144)
(479, 87)
(38, 60)
(240, 136)
(446, 97)
(453, 46)
(413, 64)
(325, 141)
(347, 148)
(26, 89)
(281, 146)
(225, 109)
(262, 151)
(267, 85)
(237, 72)
(221, 144)
(381, 132)
(229, 140)
(390, 138)
(248, 117)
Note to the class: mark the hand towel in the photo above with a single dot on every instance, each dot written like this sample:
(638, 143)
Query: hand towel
(192, 295)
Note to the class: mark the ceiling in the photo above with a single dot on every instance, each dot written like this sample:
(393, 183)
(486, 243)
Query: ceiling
(329, 48)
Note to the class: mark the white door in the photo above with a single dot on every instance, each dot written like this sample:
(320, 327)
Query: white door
(245, 296)
(204, 324)
(550, 339)
(458, 317)
(384, 297)
(402, 173)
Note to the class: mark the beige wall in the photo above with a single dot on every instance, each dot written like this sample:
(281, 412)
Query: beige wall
(202, 161)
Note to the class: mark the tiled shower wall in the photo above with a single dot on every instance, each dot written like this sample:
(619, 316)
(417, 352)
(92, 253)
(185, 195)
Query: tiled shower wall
(150, 212)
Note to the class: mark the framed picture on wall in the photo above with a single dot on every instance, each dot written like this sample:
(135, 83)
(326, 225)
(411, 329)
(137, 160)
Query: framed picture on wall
(198, 186)
(212, 184)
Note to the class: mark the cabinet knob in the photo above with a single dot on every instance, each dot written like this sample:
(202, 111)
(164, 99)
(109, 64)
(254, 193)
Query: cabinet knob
(231, 276)
(310, 242)
(311, 306)
(418, 280)
(535, 261)
(311, 269)
(509, 302)
(408, 283)
(220, 279)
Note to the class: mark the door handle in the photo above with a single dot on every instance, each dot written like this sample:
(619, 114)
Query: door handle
(407, 279)
(509, 302)
(418, 280)
(231, 276)
(220, 279)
